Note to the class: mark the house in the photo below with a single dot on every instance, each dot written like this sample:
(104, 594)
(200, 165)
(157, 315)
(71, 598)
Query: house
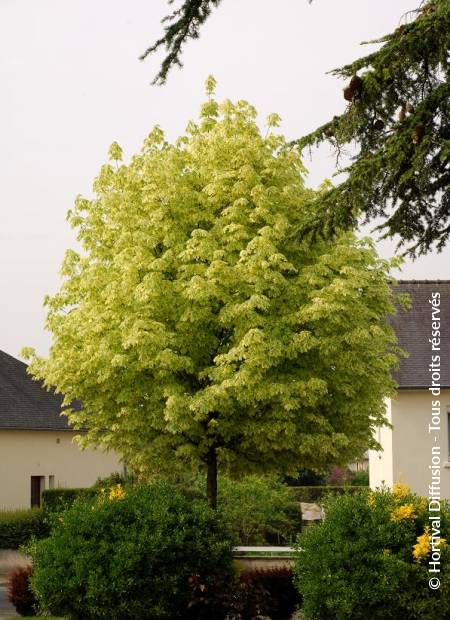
(37, 448)
(361, 464)
(416, 449)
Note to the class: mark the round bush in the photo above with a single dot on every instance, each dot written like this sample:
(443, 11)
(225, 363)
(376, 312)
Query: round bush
(369, 559)
(130, 554)
(19, 593)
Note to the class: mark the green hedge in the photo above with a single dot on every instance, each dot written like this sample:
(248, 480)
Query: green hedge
(18, 526)
(56, 500)
(315, 494)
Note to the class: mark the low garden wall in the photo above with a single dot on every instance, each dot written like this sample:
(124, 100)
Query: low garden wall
(263, 557)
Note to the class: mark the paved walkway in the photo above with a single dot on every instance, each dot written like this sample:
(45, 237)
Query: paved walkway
(6, 609)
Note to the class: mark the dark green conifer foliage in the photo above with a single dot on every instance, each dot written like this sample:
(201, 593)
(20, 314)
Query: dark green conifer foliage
(398, 117)
(181, 25)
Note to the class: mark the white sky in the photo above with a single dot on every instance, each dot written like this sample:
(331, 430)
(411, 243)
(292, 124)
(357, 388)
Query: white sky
(72, 84)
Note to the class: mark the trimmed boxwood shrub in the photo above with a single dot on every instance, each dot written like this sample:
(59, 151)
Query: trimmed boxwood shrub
(369, 559)
(17, 527)
(130, 554)
(19, 592)
(57, 500)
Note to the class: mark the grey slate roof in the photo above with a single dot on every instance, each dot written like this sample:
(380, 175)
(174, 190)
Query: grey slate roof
(24, 403)
(413, 329)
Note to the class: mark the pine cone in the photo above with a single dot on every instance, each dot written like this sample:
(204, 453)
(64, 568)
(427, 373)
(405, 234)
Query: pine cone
(417, 134)
(354, 89)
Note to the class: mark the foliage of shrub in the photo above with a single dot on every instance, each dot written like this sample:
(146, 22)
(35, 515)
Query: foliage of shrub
(57, 500)
(360, 479)
(305, 478)
(259, 509)
(207, 601)
(19, 592)
(369, 559)
(17, 527)
(338, 476)
(268, 593)
(318, 494)
(112, 480)
(129, 554)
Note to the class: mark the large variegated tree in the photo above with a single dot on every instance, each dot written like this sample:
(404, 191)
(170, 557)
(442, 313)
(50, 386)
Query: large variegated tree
(194, 327)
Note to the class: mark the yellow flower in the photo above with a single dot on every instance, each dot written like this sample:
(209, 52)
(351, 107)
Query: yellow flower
(423, 546)
(401, 490)
(371, 500)
(406, 511)
(117, 492)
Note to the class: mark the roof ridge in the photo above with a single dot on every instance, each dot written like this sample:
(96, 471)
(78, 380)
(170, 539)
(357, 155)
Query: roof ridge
(11, 357)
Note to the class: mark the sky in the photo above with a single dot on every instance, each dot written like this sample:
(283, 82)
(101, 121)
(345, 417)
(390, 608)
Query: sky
(72, 84)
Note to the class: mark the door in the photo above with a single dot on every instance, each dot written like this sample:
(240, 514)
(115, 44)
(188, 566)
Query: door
(36, 488)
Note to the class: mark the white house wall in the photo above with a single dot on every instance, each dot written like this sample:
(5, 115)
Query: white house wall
(380, 462)
(25, 453)
(407, 454)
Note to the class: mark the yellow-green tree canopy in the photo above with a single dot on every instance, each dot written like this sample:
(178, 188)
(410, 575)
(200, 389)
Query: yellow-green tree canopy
(195, 327)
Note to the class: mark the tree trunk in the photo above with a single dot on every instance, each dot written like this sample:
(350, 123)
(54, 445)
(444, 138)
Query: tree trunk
(211, 477)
